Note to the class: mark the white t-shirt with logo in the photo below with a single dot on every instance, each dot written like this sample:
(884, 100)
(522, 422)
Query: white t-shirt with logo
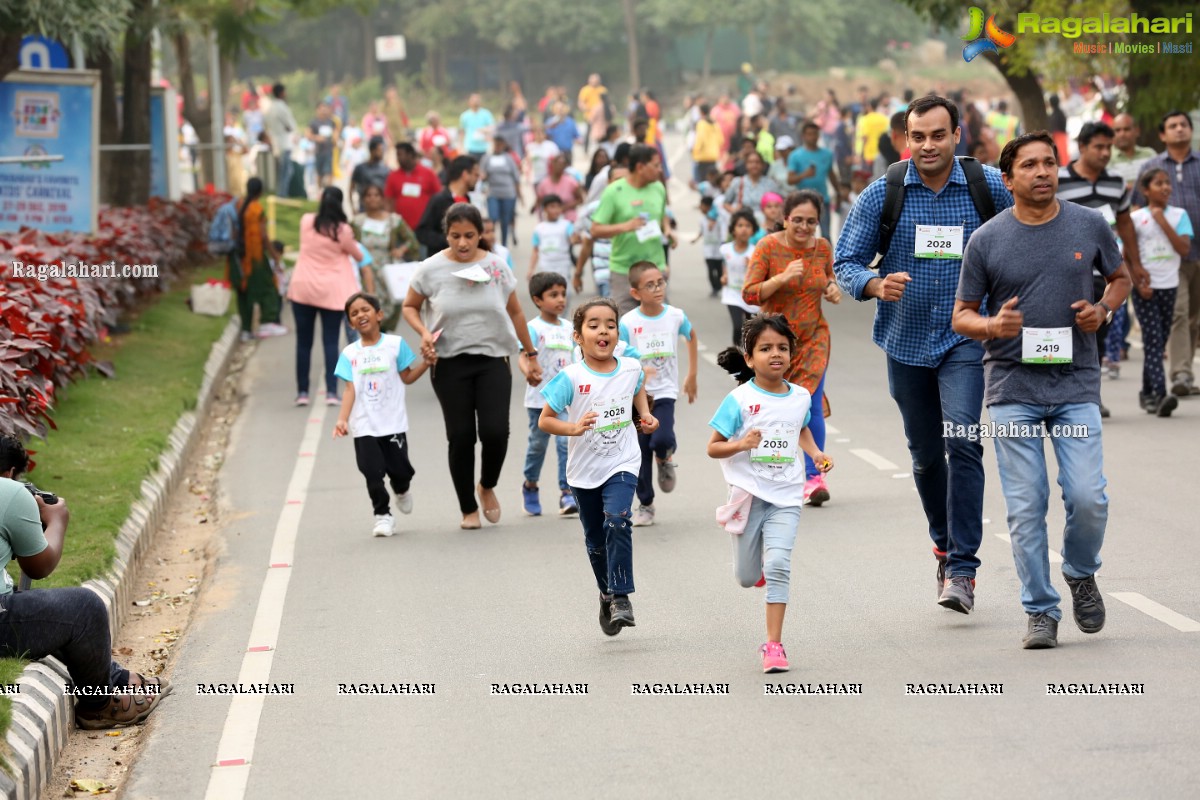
(657, 341)
(554, 344)
(773, 471)
(1158, 255)
(611, 446)
(553, 242)
(374, 371)
(735, 270)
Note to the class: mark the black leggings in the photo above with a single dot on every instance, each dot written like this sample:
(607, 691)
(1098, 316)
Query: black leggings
(306, 328)
(715, 267)
(382, 457)
(738, 316)
(471, 387)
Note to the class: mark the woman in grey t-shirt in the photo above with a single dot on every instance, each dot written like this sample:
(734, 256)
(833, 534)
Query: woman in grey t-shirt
(460, 302)
(503, 176)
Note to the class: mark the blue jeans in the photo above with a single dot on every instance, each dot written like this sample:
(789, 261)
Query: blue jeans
(502, 210)
(607, 532)
(306, 328)
(817, 426)
(1022, 463)
(764, 549)
(661, 443)
(535, 454)
(952, 495)
(283, 174)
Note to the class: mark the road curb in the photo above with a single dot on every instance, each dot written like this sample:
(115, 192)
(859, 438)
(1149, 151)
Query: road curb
(41, 711)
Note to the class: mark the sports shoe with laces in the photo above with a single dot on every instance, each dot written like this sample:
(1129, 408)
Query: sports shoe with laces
(643, 517)
(606, 622)
(385, 525)
(941, 557)
(774, 658)
(958, 594)
(666, 474)
(622, 612)
(530, 500)
(567, 505)
(404, 502)
(1041, 633)
(1087, 603)
(302, 399)
(815, 491)
(1165, 405)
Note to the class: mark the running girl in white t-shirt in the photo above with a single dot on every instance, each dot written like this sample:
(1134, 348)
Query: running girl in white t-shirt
(376, 368)
(735, 254)
(601, 395)
(758, 432)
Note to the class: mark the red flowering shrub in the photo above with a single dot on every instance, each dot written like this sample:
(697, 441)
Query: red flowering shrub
(48, 322)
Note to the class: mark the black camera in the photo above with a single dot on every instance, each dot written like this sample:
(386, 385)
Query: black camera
(49, 498)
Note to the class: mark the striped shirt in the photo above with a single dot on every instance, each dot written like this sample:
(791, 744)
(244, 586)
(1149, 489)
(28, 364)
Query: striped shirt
(1108, 190)
(915, 329)
(1185, 189)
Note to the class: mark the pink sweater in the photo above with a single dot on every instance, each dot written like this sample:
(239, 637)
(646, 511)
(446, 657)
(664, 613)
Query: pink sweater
(323, 276)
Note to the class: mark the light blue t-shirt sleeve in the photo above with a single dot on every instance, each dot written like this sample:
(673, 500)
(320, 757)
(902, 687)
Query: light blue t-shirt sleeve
(570, 230)
(641, 381)
(508, 258)
(24, 525)
(685, 327)
(728, 418)
(533, 334)
(631, 352)
(1184, 226)
(559, 392)
(623, 335)
(404, 358)
(343, 369)
(807, 418)
(537, 240)
(793, 162)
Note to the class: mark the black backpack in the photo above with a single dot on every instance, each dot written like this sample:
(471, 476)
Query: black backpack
(893, 198)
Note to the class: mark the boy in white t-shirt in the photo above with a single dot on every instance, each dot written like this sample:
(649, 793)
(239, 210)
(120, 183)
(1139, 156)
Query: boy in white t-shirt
(552, 239)
(654, 329)
(551, 337)
(376, 368)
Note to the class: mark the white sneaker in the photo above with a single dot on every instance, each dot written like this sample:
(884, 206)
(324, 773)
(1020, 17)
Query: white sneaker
(269, 329)
(643, 517)
(245, 336)
(384, 525)
(404, 502)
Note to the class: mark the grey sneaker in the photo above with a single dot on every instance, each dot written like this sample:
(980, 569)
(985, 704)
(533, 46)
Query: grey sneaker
(606, 622)
(666, 475)
(622, 612)
(958, 594)
(1087, 602)
(643, 517)
(1042, 632)
(941, 571)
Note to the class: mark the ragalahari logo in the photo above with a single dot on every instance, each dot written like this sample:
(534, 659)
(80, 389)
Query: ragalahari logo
(982, 37)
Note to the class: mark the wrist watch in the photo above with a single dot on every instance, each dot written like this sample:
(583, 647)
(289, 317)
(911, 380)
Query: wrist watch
(534, 353)
(1108, 317)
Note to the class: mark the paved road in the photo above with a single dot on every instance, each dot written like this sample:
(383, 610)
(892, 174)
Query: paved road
(515, 603)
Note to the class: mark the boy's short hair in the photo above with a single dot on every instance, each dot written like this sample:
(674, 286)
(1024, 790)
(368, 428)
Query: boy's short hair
(638, 270)
(550, 199)
(706, 200)
(370, 300)
(541, 282)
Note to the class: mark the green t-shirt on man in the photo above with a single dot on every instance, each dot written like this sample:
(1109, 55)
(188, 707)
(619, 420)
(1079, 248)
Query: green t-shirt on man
(619, 203)
(20, 527)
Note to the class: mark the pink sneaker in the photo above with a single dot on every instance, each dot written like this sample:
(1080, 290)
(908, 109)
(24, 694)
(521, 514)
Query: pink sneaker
(815, 491)
(773, 657)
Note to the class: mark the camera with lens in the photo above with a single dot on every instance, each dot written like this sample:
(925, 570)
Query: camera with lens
(49, 498)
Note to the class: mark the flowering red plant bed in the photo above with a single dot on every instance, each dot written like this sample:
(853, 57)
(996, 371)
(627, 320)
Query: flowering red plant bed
(59, 293)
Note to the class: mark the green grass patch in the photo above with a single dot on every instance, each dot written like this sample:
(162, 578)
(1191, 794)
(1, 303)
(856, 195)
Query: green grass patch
(287, 221)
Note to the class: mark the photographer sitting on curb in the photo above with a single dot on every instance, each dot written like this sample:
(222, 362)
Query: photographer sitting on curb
(70, 624)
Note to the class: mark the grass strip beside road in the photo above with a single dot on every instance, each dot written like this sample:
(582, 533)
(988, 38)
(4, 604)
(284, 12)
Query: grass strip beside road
(111, 432)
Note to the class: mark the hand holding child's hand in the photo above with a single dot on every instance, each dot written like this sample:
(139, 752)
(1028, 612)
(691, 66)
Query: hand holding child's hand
(649, 423)
(752, 439)
(340, 429)
(585, 424)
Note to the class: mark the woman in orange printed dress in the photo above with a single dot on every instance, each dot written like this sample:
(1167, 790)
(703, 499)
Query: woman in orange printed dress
(791, 273)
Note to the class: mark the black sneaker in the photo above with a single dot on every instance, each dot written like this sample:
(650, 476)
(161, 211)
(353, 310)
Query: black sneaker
(1166, 405)
(958, 594)
(941, 572)
(1087, 602)
(1104, 412)
(606, 623)
(622, 612)
(1042, 632)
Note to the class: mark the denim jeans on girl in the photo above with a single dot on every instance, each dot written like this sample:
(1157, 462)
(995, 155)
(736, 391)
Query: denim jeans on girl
(1022, 463)
(503, 211)
(306, 328)
(535, 454)
(608, 533)
(764, 549)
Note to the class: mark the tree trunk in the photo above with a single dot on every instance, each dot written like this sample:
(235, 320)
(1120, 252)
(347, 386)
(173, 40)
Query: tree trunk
(110, 125)
(1028, 89)
(10, 53)
(708, 54)
(631, 34)
(133, 179)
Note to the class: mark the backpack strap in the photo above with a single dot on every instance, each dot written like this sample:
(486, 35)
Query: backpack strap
(893, 203)
(977, 185)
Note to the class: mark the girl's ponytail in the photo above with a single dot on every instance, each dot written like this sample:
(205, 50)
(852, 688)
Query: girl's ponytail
(733, 361)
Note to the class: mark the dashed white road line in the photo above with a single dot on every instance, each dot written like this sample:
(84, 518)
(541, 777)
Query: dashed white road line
(874, 459)
(1160, 612)
(231, 771)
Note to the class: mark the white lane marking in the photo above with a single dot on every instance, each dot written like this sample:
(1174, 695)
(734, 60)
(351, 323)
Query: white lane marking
(874, 459)
(842, 441)
(1055, 558)
(235, 751)
(1160, 612)
(899, 475)
(830, 430)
